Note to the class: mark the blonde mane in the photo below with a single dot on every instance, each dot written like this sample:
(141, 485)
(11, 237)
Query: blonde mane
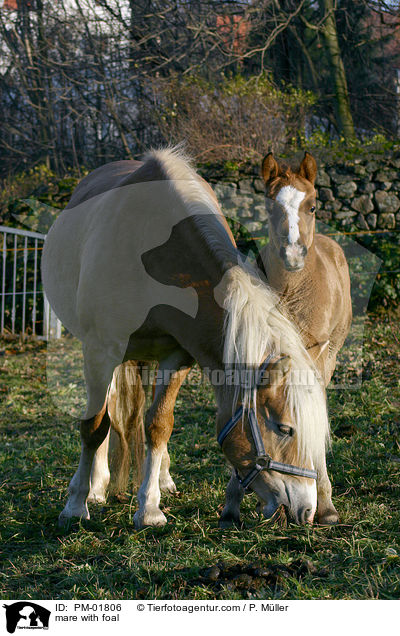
(255, 326)
(176, 166)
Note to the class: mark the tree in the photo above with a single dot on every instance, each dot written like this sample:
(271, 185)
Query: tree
(370, 46)
(329, 30)
(78, 77)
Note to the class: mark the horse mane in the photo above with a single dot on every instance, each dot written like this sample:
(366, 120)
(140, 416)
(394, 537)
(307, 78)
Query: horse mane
(255, 325)
(175, 165)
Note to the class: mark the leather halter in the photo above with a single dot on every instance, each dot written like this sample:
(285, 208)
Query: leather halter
(263, 460)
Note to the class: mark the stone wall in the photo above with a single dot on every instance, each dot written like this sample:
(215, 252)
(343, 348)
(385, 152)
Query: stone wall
(361, 194)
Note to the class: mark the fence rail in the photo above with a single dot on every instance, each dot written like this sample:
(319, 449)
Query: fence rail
(24, 307)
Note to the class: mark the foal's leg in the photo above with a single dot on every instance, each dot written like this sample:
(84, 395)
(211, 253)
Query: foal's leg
(159, 424)
(234, 495)
(166, 482)
(326, 511)
(93, 433)
(100, 474)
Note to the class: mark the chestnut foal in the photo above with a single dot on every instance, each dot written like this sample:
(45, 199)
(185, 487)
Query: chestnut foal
(310, 273)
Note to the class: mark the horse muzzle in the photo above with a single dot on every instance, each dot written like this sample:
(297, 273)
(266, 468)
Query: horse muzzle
(300, 517)
(270, 508)
(293, 257)
(298, 498)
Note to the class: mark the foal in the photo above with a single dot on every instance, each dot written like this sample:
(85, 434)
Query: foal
(310, 273)
(308, 270)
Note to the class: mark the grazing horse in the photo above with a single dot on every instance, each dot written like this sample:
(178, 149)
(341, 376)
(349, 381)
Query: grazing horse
(141, 265)
(310, 273)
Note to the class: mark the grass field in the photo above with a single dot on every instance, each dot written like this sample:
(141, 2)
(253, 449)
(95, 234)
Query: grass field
(191, 558)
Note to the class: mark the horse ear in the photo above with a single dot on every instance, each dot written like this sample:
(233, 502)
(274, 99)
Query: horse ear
(308, 168)
(279, 370)
(283, 365)
(269, 168)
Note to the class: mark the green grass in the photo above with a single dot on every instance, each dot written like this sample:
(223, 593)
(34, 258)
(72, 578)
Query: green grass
(106, 558)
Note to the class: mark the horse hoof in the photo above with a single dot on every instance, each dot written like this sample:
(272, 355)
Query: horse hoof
(65, 520)
(228, 521)
(97, 497)
(328, 518)
(68, 515)
(168, 486)
(154, 518)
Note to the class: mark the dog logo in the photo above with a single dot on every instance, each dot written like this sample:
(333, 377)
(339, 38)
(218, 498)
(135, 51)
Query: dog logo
(26, 615)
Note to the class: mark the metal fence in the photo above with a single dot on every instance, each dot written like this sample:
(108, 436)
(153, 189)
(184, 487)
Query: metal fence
(24, 309)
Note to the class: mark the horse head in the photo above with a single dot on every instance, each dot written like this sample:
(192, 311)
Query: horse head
(287, 476)
(290, 203)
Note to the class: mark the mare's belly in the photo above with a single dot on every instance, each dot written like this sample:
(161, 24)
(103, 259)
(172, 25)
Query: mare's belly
(148, 347)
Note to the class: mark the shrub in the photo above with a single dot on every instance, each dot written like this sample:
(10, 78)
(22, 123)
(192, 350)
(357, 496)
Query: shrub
(235, 120)
(31, 199)
(386, 291)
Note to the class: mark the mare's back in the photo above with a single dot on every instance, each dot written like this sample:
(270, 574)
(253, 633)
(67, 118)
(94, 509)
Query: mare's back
(114, 175)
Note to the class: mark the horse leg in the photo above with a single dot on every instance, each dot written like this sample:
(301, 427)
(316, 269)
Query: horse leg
(234, 495)
(93, 433)
(159, 424)
(99, 366)
(326, 511)
(100, 473)
(166, 482)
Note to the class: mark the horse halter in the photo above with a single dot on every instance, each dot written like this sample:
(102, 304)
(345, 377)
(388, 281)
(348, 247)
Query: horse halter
(263, 460)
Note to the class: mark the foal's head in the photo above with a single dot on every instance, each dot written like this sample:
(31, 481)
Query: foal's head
(291, 209)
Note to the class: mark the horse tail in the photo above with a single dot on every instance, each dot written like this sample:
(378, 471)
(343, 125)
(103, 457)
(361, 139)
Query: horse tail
(126, 404)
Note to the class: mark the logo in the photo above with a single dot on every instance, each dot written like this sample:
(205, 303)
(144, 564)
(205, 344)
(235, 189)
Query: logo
(26, 615)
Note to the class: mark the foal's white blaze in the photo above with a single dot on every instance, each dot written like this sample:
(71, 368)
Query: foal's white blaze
(290, 198)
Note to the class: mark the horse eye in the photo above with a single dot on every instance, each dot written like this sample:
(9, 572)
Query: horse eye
(285, 429)
(312, 210)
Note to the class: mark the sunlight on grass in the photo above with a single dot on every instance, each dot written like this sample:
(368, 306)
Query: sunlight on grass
(191, 558)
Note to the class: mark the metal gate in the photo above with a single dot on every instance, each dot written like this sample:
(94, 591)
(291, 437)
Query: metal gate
(24, 308)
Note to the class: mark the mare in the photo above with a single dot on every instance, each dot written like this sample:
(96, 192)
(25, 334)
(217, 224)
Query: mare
(141, 265)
